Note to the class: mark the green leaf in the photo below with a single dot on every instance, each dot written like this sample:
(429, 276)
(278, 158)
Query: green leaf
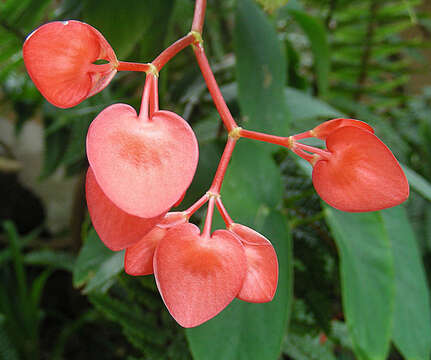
(316, 33)
(306, 110)
(412, 317)
(145, 21)
(56, 259)
(271, 5)
(96, 265)
(367, 280)
(418, 183)
(261, 71)
(244, 330)
(54, 150)
(7, 350)
(306, 347)
(17, 258)
(37, 289)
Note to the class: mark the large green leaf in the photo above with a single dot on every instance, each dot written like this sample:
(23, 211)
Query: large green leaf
(144, 20)
(412, 318)
(367, 280)
(418, 183)
(251, 190)
(261, 71)
(271, 5)
(96, 265)
(308, 111)
(316, 33)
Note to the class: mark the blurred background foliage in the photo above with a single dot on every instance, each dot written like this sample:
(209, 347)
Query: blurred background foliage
(352, 286)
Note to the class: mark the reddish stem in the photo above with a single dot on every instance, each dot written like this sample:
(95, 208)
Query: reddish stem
(273, 139)
(222, 166)
(206, 232)
(130, 66)
(303, 135)
(306, 156)
(154, 96)
(223, 212)
(213, 88)
(143, 113)
(196, 206)
(101, 68)
(199, 15)
(323, 153)
(173, 50)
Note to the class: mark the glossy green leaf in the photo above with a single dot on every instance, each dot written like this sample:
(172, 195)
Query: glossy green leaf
(55, 259)
(367, 280)
(271, 5)
(308, 111)
(418, 183)
(7, 349)
(96, 265)
(412, 317)
(55, 148)
(145, 21)
(243, 330)
(316, 33)
(261, 71)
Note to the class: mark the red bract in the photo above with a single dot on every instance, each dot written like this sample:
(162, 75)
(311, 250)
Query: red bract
(59, 57)
(139, 257)
(361, 173)
(116, 228)
(325, 129)
(261, 278)
(196, 276)
(143, 166)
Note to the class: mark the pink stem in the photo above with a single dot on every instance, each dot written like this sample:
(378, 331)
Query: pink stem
(206, 232)
(154, 96)
(100, 68)
(143, 113)
(130, 66)
(222, 166)
(323, 153)
(304, 155)
(172, 50)
(213, 88)
(196, 206)
(273, 139)
(303, 135)
(199, 15)
(223, 212)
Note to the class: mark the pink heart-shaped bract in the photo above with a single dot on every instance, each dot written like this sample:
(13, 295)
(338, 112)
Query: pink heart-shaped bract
(325, 129)
(138, 259)
(59, 58)
(116, 228)
(198, 277)
(261, 278)
(144, 167)
(361, 174)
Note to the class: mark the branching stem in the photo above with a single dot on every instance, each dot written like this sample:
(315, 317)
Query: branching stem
(222, 166)
(213, 88)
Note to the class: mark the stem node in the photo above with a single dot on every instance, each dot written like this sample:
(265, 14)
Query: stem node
(235, 133)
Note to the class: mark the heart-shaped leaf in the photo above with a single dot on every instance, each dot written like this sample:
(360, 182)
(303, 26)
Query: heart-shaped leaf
(198, 277)
(325, 129)
(261, 278)
(144, 167)
(139, 257)
(361, 174)
(59, 57)
(116, 228)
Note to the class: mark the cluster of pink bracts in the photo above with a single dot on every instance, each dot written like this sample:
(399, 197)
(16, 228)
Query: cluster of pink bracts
(141, 166)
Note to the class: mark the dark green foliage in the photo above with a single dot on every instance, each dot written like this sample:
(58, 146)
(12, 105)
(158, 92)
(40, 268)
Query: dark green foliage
(138, 309)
